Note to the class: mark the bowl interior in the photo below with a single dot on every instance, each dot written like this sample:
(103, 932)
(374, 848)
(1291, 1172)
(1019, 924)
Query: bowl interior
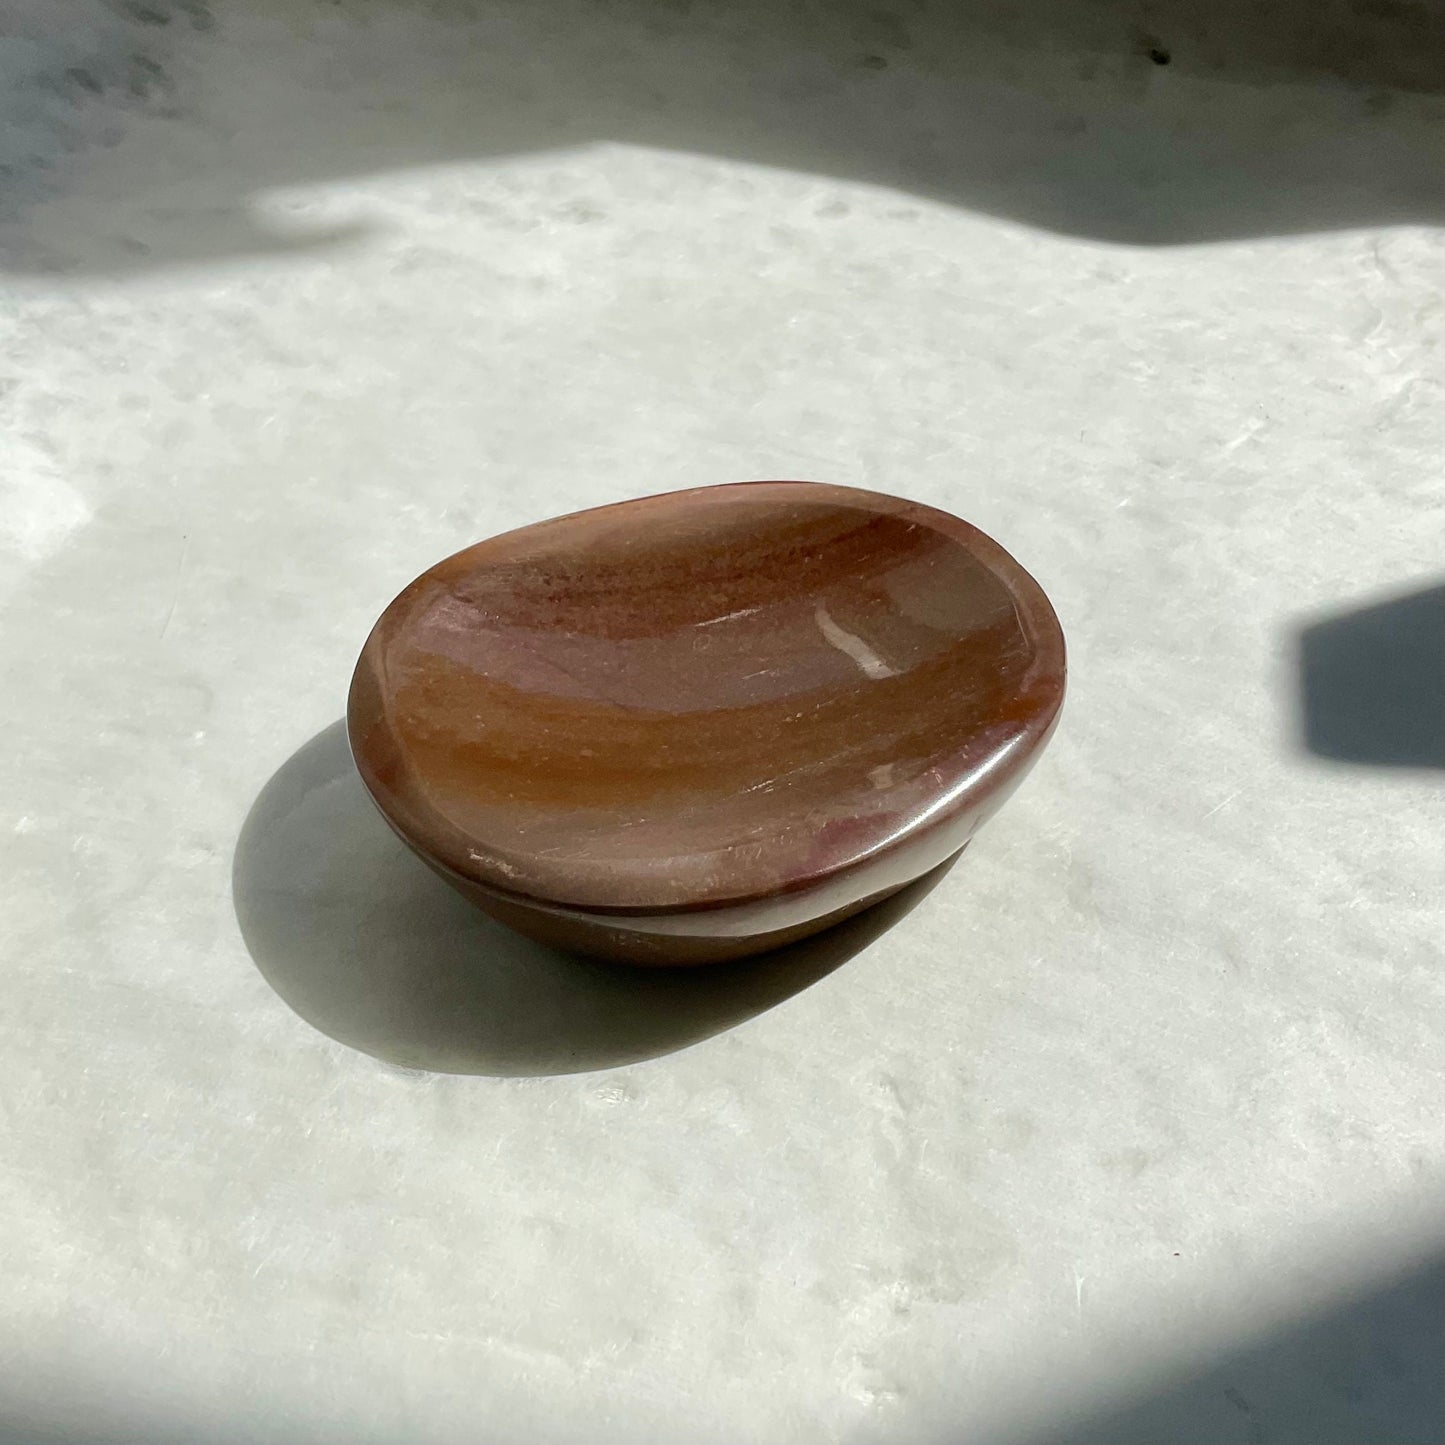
(700, 697)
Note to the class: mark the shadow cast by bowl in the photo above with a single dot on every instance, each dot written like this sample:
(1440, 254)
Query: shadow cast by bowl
(367, 945)
(1372, 683)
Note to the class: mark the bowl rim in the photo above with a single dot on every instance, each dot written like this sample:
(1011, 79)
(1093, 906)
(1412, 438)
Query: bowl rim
(917, 847)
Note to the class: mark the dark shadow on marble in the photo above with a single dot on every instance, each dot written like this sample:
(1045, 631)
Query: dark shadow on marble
(370, 947)
(1372, 683)
(1368, 1371)
(137, 136)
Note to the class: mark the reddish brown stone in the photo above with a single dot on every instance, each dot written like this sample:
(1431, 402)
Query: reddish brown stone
(699, 725)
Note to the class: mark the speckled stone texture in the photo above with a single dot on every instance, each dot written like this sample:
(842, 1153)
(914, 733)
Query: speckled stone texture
(1130, 1131)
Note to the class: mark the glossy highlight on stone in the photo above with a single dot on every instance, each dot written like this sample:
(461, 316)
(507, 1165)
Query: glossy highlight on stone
(703, 724)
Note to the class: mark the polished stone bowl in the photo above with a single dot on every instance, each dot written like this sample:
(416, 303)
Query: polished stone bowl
(704, 724)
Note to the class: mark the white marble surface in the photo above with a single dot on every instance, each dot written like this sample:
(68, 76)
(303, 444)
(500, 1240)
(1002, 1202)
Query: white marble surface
(300, 297)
